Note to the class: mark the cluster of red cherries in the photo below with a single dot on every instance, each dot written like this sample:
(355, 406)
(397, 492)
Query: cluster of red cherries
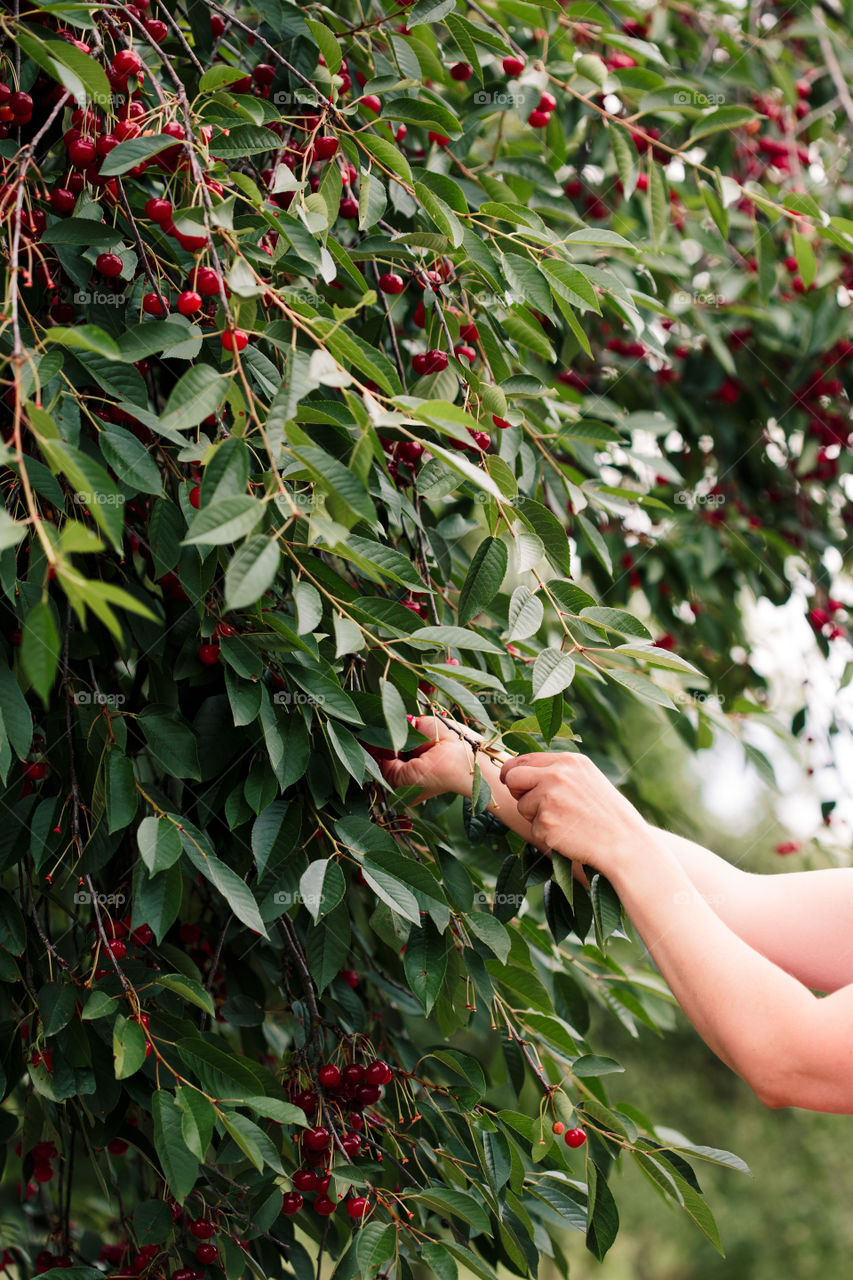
(348, 1089)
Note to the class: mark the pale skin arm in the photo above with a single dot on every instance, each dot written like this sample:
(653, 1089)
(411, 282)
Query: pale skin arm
(745, 995)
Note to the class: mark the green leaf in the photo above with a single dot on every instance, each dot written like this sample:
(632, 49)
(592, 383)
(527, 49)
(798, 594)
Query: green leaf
(526, 612)
(394, 713)
(40, 648)
(490, 931)
(344, 491)
(425, 112)
(159, 843)
(88, 337)
(718, 119)
(251, 571)
(179, 1165)
(225, 521)
(188, 989)
(376, 1244)
(448, 1201)
(57, 1003)
(806, 261)
(129, 1045)
(198, 393)
(393, 892)
(452, 638)
(251, 1140)
(658, 201)
(127, 154)
(234, 890)
(322, 887)
(425, 963)
(553, 671)
(547, 527)
(765, 254)
(483, 578)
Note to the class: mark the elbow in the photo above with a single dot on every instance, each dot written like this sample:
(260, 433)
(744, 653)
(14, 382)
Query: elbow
(771, 1086)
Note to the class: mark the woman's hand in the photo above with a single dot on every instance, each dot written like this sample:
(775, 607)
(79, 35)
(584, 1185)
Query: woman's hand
(438, 766)
(574, 810)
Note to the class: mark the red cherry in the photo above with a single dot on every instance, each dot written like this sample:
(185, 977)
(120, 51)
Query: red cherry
(348, 208)
(225, 629)
(206, 1253)
(118, 948)
(62, 200)
(324, 1206)
(202, 1229)
(575, 1138)
(329, 1076)
(538, 119)
(353, 1074)
(469, 332)
(34, 770)
(235, 339)
(217, 25)
(205, 280)
(291, 1202)
(367, 1094)
(305, 1180)
(440, 139)
(372, 103)
(350, 977)
(461, 71)
(501, 423)
(109, 265)
(325, 148)
(152, 306)
(189, 302)
(81, 152)
(208, 654)
(317, 1139)
(358, 1206)
(195, 496)
(465, 353)
(43, 1173)
(158, 210)
(21, 104)
(126, 63)
(513, 66)
(547, 102)
(377, 1073)
(263, 73)
(117, 1146)
(391, 283)
(106, 143)
(351, 1145)
(157, 30)
(306, 1100)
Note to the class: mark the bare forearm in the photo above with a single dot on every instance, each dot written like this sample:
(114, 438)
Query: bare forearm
(802, 920)
(743, 1005)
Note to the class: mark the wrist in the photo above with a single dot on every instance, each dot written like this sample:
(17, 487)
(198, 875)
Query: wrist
(641, 852)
